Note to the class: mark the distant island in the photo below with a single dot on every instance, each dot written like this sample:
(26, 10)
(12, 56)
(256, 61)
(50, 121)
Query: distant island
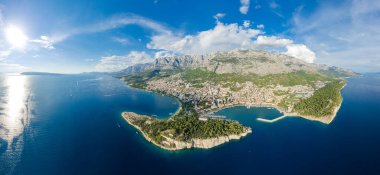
(207, 83)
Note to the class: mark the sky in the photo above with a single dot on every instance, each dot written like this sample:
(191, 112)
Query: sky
(83, 36)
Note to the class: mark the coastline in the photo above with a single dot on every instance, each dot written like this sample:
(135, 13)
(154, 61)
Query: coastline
(144, 135)
(174, 145)
(195, 143)
(159, 93)
(324, 120)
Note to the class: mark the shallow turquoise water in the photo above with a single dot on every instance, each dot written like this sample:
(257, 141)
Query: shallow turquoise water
(72, 125)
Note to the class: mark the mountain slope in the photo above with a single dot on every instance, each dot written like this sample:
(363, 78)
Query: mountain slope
(239, 61)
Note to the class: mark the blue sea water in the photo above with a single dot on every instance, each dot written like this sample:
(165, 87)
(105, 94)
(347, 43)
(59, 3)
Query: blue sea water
(71, 124)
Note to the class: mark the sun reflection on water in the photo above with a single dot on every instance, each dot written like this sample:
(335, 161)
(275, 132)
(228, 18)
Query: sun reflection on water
(14, 93)
(15, 106)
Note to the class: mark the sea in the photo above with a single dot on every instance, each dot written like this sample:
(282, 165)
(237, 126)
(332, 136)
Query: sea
(72, 124)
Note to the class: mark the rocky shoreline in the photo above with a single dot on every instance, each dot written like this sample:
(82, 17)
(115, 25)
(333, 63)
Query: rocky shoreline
(326, 119)
(178, 145)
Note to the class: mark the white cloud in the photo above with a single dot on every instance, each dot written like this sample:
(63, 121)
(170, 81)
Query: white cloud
(225, 37)
(123, 41)
(260, 26)
(246, 23)
(219, 16)
(4, 54)
(348, 32)
(222, 37)
(272, 41)
(116, 63)
(244, 6)
(164, 53)
(44, 42)
(300, 51)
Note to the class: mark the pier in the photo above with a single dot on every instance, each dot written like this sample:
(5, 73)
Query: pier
(272, 120)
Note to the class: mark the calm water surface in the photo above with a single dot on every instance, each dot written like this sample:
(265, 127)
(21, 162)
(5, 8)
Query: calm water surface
(71, 124)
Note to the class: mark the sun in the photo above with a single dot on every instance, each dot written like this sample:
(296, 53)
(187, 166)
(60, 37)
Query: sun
(16, 37)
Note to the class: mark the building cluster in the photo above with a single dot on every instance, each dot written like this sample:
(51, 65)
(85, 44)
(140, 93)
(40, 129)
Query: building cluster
(209, 96)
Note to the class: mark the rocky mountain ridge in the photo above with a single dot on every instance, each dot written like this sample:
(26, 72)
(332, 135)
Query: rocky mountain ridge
(240, 62)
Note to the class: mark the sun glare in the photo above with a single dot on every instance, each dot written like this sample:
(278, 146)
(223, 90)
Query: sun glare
(16, 37)
(15, 112)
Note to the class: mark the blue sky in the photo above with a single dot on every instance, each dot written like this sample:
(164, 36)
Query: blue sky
(76, 36)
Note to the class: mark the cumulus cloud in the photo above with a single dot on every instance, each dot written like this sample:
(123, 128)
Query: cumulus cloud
(244, 6)
(272, 41)
(116, 63)
(222, 37)
(225, 37)
(300, 51)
